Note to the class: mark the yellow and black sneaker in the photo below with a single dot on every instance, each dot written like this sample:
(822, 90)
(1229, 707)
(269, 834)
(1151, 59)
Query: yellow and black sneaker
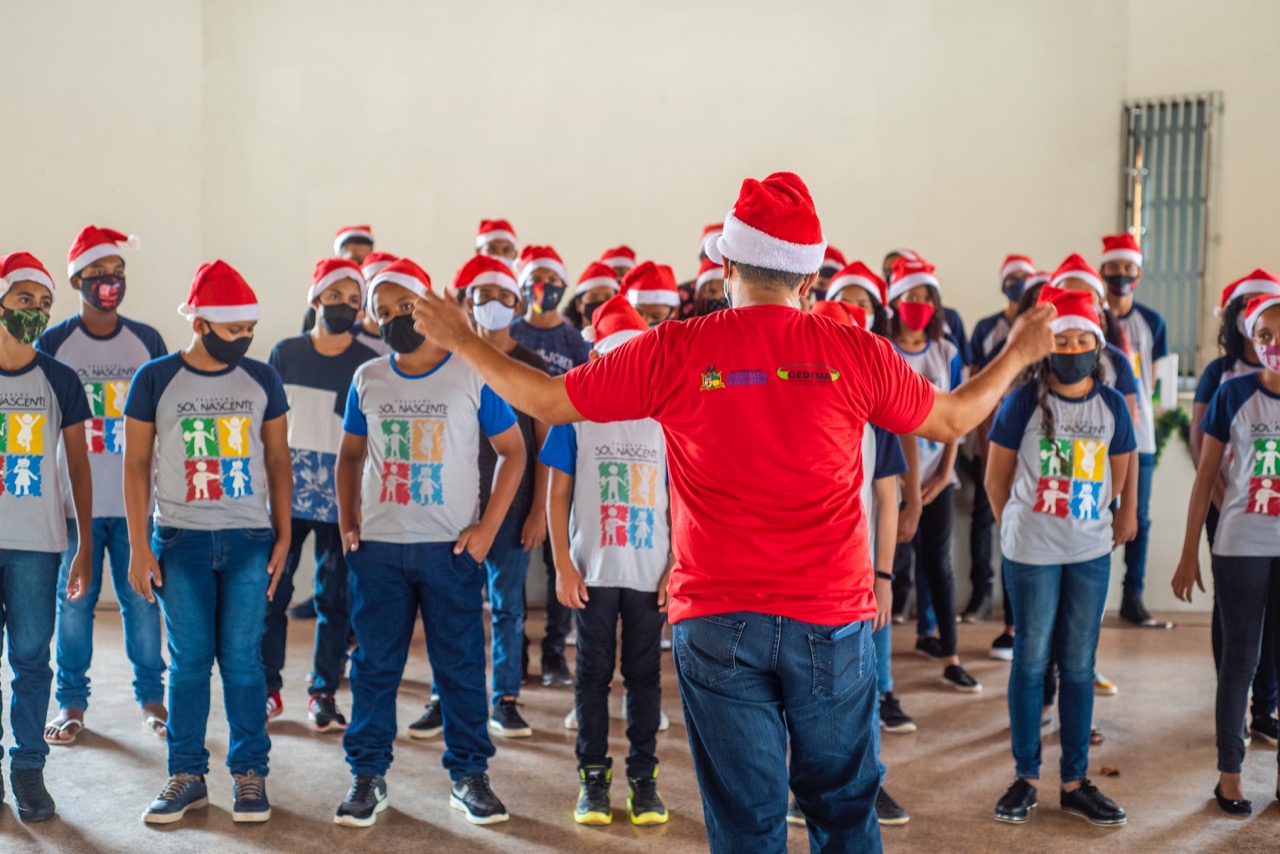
(644, 803)
(593, 795)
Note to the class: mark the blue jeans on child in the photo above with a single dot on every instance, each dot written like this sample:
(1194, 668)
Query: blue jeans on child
(27, 605)
(390, 584)
(1069, 598)
(75, 620)
(1135, 551)
(748, 683)
(214, 600)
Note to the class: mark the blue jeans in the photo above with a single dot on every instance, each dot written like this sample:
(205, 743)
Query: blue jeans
(1135, 551)
(883, 641)
(507, 565)
(75, 620)
(749, 683)
(1068, 598)
(214, 600)
(27, 602)
(333, 622)
(390, 584)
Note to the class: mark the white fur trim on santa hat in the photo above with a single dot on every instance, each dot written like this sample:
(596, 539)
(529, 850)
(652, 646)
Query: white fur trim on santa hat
(909, 254)
(348, 234)
(596, 282)
(636, 296)
(542, 264)
(95, 253)
(1017, 266)
(404, 280)
(27, 274)
(220, 313)
(746, 245)
(619, 261)
(1088, 278)
(373, 269)
(1075, 321)
(616, 340)
(906, 283)
(709, 276)
(496, 234)
(1121, 255)
(1249, 287)
(841, 282)
(337, 276)
(1251, 319)
(493, 277)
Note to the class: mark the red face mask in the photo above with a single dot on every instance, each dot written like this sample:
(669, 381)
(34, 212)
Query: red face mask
(858, 315)
(916, 315)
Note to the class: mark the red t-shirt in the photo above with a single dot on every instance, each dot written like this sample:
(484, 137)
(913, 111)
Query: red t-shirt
(763, 410)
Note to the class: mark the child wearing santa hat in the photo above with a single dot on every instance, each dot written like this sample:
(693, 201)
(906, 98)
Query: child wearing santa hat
(596, 286)
(613, 557)
(952, 324)
(408, 485)
(1240, 447)
(856, 285)
(1061, 446)
(651, 289)
(43, 403)
(497, 239)
(106, 350)
(353, 242)
(208, 426)
(708, 294)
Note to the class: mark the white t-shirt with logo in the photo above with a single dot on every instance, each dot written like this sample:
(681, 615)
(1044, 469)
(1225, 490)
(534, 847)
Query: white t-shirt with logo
(939, 362)
(1245, 417)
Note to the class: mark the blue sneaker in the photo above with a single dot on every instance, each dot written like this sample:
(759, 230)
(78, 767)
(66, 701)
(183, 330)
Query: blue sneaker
(250, 791)
(183, 792)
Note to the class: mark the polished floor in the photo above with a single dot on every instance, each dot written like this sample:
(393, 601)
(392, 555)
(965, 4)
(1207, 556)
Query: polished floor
(1159, 760)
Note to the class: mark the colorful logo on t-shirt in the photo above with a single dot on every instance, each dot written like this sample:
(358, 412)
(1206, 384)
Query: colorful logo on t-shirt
(217, 457)
(628, 498)
(712, 379)
(808, 374)
(413, 461)
(104, 432)
(22, 439)
(1264, 486)
(1071, 476)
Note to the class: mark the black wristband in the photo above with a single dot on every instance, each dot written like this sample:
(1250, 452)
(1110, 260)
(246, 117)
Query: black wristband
(887, 576)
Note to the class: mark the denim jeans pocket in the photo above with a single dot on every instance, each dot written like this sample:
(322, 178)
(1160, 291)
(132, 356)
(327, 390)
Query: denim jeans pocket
(259, 535)
(465, 561)
(838, 664)
(708, 648)
(164, 536)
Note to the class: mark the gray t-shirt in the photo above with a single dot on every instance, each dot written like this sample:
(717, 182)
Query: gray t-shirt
(1245, 417)
(939, 363)
(210, 473)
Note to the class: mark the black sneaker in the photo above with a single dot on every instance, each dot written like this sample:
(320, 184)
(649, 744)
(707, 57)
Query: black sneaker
(643, 801)
(892, 718)
(555, 673)
(794, 815)
(593, 795)
(249, 791)
(1017, 803)
(1002, 647)
(888, 811)
(505, 720)
(1093, 806)
(430, 724)
(1267, 728)
(473, 796)
(323, 713)
(1133, 611)
(29, 794)
(957, 677)
(304, 610)
(365, 799)
(930, 647)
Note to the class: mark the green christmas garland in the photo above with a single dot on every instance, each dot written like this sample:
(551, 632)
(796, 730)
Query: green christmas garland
(1173, 419)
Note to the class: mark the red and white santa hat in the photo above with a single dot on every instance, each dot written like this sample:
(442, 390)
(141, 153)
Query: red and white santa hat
(219, 294)
(404, 273)
(1039, 277)
(1076, 310)
(903, 252)
(485, 270)
(1120, 247)
(540, 258)
(833, 259)
(23, 267)
(1017, 264)
(374, 263)
(1257, 282)
(494, 229)
(708, 271)
(615, 323)
(859, 275)
(772, 225)
(908, 273)
(844, 313)
(93, 243)
(646, 284)
(709, 232)
(1075, 267)
(619, 256)
(597, 275)
(351, 232)
(1257, 305)
(329, 271)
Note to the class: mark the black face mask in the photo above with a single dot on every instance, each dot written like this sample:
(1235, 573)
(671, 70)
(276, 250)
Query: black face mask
(337, 317)
(543, 297)
(224, 351)
(1120, 285)
(400, 335)
(589, 310)
(710, 306)
(102, 292)
(1071, 368)
(1013, 290)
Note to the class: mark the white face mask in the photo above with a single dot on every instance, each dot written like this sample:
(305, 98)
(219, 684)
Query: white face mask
(493, 315)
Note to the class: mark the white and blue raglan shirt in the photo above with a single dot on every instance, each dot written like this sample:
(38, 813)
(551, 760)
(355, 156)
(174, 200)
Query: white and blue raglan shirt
(1149, 342)
(1059, 508)
(1117, 371)
(885, 449)
(421, 480)
(987, 339)
(316, 387)
(618, 530)
(210, 471)
(106, 366)
(36, 404)
(939, 362)
(1245, 417)
(1218, 372)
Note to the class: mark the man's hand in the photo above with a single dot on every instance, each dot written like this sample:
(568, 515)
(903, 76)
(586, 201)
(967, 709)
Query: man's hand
(1031, 338)
(570, 588)
(144, 571)
(275, 565)
(477, 540)
(81, 575)
(443, 321)
(534, 533)
(884, 603)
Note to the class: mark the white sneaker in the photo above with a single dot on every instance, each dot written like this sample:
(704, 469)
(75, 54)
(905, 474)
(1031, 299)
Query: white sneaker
(664, 722)
(571, 719)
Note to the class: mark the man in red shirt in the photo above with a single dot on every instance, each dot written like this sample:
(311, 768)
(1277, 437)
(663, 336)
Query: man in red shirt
(772, 595)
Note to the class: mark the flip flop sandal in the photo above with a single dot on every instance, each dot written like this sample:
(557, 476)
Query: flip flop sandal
(157, 726)
(61, 728)
(1096, 737)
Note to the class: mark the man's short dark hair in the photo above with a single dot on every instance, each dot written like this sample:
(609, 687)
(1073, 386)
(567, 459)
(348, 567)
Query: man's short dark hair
(361, 240)
(763, 277)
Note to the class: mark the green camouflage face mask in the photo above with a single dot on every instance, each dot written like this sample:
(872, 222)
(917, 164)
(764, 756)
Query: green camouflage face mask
(25, 324)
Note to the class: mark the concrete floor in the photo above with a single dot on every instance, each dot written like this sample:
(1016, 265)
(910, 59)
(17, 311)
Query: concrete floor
(949, 774)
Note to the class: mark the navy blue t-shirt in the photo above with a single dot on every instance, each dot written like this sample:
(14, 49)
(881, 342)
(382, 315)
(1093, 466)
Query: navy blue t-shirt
(562, 347)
